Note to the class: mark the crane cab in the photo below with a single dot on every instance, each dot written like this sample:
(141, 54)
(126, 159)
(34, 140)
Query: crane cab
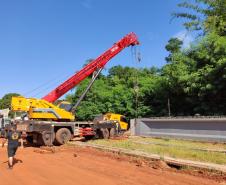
(38, 109)
(65, 105)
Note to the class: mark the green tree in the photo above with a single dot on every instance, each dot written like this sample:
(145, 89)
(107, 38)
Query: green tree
(5, 102)
(198, 73)
(209, 15)
(122, 91)
(175, 76)
(208, 82)
(174, 46)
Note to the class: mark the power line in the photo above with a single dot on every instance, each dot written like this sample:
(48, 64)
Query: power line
(54, 82)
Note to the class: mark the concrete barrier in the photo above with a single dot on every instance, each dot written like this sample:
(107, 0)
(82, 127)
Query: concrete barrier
(207, 129)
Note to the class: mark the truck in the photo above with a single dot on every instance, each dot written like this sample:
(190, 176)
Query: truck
(46, 123)
(4, 119)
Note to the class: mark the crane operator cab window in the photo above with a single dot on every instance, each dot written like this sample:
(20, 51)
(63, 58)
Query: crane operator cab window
(65, 105)
(124, 123)
(123, 119)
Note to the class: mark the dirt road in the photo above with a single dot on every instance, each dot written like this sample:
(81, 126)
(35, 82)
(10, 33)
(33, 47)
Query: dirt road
(73, 166)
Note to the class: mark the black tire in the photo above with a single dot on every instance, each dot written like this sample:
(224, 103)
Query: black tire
(39, 140)
(48, 138)
(88, 137)
(112, 132)
(63, 135)
(29, 139)
(98, 134)
(105, 133)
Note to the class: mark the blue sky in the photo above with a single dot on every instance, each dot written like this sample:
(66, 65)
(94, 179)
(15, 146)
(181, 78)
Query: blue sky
(48, 40)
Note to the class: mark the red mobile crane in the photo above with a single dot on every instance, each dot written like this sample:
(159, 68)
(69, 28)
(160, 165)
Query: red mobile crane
(61, 126)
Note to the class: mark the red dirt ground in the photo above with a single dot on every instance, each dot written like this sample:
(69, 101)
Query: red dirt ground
(75, 166)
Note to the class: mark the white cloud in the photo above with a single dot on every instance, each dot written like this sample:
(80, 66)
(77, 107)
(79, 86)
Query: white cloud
(186, 37)
(86, 4)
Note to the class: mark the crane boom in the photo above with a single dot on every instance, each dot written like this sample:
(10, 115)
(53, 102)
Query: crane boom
(100, 62)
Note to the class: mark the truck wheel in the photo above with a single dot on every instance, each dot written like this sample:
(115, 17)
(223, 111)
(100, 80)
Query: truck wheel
(105, 133)
(98, 134)
(48, 138)
(29, 140)
(112, 132)
(63, 135)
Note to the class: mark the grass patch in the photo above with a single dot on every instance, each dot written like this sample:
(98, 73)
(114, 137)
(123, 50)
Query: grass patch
(180, 149)
(184, 143)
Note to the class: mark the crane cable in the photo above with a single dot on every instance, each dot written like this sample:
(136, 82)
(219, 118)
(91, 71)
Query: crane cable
(53, 82)
(136, 58)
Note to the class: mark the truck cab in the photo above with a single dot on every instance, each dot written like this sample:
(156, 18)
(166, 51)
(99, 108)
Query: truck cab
(123, 123)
